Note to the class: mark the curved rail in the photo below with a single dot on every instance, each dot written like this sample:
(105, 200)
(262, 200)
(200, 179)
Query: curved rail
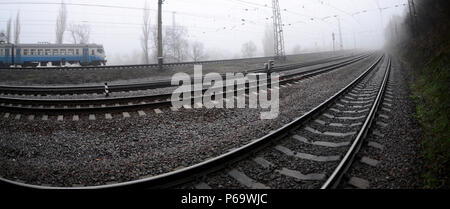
(192, 172)
(142, 65)
(335, 178)
(157, 100)
(142, 86)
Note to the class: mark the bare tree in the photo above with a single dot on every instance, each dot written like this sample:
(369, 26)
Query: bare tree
(268, 41)
(61, 22)
(80, 33)
(248, 49)
(17, 29)
(197, 51)
(146, 34)
(177, 44)
(8, 30)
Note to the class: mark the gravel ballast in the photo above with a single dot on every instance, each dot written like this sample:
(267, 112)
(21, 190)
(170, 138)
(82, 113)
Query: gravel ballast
(96, 152)
(68, 76)
(300, 169)
(400, 160)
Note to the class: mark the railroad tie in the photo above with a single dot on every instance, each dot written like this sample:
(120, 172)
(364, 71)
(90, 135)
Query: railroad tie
(328, 133)
(375, 145)
(60, 118)
(246, 181)
(108, 116)
(31, 117)
(385, 109)
(7, 115)
(359, 183)
(92, 117)
(126, 115)
(382, 124)
(387, 99)
(378, 133)
(18, 116)
(75, 118)
(320, 143)
(202, 185)
(387, 104)
(45, 117)
(299, 175)
(158, 111)
(369, 161)
(306, 156)
(263, 162)
(141, 113)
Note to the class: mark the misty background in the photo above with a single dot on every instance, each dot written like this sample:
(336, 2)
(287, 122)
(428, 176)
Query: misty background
(201, 29)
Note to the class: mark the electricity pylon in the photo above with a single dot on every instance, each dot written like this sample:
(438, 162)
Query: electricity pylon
(278, 31)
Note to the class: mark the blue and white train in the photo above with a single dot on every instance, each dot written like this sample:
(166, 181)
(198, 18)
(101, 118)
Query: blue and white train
(32, 55)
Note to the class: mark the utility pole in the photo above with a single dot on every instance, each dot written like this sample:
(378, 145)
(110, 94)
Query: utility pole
(341, 45)
(173, 20)
(413, 16)
(160, 48)
(332, 36)
(278, 31)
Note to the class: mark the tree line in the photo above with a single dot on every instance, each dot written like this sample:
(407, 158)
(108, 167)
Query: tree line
(176, 46)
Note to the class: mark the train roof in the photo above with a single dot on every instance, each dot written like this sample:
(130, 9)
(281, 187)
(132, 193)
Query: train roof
(56, 45)
(5, 44)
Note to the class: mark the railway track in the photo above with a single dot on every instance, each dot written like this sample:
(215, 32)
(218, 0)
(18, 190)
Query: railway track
(145, 66)
(17, 104)
(313, 151)
(42, 90)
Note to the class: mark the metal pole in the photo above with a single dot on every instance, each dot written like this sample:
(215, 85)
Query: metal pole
(160, 48)
(412, 14)
(332, 35)
(341, 45)
(278, 31)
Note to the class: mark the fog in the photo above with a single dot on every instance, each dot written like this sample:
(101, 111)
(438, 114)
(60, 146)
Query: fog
(222, 26)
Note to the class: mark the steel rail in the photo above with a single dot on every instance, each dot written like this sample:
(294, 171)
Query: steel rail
(141, 86)
(346, 162)
(164, 97)
(142, 65)
(193, 172)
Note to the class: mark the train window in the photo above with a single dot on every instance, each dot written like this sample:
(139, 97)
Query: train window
(55, 51)
(1, 52)
(92, 52)
(25, 52)
(70, 51)
(32, 51)
(63, 51)
(100, 51)
(77, 51)
(40, 52)
(47, 51)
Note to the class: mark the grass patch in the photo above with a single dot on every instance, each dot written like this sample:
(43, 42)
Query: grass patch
(431, 92)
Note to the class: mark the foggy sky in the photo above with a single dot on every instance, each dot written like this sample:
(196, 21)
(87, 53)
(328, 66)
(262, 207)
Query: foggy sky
(216, 23)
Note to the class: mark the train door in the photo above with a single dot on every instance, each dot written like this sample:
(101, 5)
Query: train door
(7, 57)
(18, 57)
(85, 59)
